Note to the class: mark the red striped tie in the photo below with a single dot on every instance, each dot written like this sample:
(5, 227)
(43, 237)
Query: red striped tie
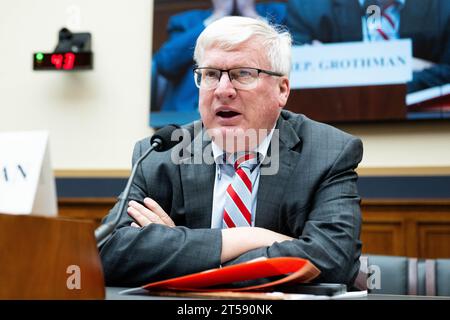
(388, 27)
(237, 208)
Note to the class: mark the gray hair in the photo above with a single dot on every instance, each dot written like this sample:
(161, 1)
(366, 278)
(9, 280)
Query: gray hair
(229, 32)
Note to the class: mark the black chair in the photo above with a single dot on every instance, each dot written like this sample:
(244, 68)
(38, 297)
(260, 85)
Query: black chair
(404, 276)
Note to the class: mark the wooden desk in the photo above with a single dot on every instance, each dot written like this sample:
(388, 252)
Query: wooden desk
(112, 293)
(347, 104)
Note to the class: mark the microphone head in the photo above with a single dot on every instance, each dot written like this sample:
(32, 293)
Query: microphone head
(163, 138)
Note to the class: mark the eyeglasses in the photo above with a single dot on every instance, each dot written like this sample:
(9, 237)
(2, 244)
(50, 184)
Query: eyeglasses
(240, 78)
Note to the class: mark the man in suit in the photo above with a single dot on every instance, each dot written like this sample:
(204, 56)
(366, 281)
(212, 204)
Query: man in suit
(172, 64)
(290, 191)
(427, 23)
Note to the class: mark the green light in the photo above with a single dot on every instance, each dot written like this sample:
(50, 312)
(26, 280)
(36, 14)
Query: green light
(39, 56)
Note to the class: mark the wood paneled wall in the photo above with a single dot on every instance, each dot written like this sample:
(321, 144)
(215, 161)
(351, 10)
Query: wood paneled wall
(415, 228)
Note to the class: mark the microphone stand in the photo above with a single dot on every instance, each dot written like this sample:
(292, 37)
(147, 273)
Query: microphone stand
(104, 231)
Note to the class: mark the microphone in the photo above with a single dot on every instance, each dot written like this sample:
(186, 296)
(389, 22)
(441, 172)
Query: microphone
(160, 141)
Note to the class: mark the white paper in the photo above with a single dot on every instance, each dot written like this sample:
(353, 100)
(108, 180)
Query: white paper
(427, 94)
(27, 184)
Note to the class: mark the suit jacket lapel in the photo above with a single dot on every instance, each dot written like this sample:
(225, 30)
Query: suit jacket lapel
(413, 17)
(272, 187)
(197, 179)
(347, 15)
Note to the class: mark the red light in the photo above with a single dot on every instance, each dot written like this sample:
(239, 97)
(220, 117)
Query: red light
(66, 62)
(69, 61)
(57, 60)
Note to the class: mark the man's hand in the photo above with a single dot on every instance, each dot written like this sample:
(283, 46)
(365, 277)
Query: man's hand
(237, 241)
(151, 213)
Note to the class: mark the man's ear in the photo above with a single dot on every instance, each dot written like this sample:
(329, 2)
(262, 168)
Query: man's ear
(284, 90)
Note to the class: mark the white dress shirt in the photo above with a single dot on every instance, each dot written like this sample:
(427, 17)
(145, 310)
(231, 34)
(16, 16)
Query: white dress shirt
(224, 176)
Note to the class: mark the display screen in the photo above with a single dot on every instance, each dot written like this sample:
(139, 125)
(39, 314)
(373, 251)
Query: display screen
(63, 61)
(314, 25)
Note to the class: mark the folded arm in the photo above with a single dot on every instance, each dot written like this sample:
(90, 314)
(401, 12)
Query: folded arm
(437, 75)
(235, 241)
(147, 246)
(330, 236)
(136, 255)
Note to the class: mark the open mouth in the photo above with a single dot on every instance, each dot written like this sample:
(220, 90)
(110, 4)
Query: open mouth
(227, 114)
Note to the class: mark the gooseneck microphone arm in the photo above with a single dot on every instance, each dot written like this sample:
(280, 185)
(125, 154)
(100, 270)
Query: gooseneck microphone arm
(103, 232)
(160, 141)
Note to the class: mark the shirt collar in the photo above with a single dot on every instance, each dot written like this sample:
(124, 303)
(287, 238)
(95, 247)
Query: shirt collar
(262, 149)
(402, 2)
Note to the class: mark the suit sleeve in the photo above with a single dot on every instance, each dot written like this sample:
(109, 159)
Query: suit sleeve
(330, 237)
(439, 74)
(175, 55)
(135, 256)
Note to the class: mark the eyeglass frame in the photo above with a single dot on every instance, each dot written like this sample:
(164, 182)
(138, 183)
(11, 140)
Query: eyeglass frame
(270, 73)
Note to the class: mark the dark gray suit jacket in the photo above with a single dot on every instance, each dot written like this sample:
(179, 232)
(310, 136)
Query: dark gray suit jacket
(426, 22)
(313, 198)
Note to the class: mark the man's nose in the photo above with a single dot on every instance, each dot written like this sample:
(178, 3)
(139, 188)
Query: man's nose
(225, 88)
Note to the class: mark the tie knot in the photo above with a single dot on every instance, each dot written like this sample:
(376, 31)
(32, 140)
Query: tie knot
(247, 160)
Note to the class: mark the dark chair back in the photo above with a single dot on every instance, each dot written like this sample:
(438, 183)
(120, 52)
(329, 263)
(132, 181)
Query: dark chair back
(404, 276)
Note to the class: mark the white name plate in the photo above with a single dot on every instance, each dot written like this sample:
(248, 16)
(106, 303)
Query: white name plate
(351, 64)
(27, 184)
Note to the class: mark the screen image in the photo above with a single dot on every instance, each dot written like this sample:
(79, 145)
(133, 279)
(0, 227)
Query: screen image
(352, 60)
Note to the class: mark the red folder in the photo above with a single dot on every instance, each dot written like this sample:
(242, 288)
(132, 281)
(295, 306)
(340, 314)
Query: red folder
(295, 270)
